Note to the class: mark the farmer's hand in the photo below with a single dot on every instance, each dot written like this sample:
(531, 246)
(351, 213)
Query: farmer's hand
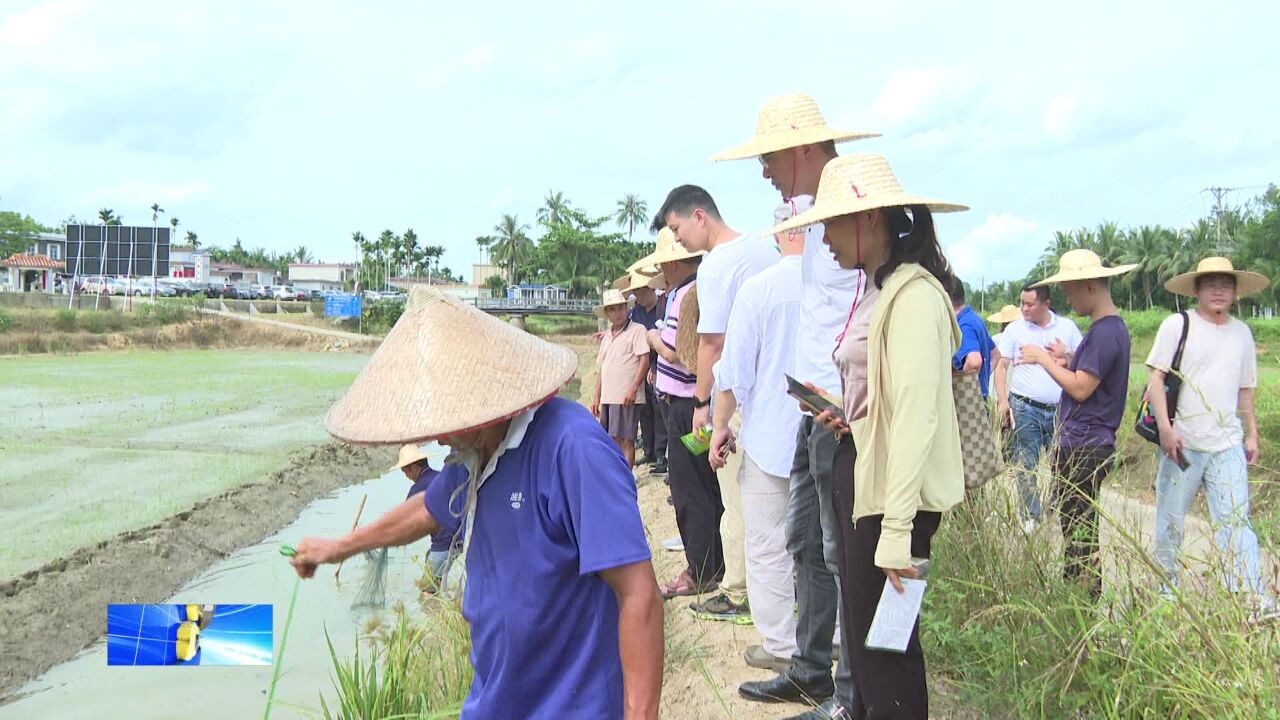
(1171, 443)
(896, 575)
(597, 336)
(595, 406)
(312, 552)
(701, 418)
(721, 446)
(835, 425)
(1006, 413)
(630, 397)
(653, 378)
(655, 338)
(1058, 351)
(1251, 451)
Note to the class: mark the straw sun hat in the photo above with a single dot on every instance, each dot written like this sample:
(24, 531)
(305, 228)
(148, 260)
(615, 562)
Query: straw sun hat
(634, 281)
(409, 454)
(1247, 283)
(786, 122)
(1082, 264)
(667, 250)
(447, 368)
(857, 183)
(1007, 314)
(612, 297)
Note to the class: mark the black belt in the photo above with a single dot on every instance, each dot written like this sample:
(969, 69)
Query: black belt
(1035, 404)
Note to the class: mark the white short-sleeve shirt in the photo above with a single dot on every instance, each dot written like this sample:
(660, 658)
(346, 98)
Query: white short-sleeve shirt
(1032, 381)
(721, 274)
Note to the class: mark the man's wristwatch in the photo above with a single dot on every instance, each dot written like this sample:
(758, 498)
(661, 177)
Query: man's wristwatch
(699, 404)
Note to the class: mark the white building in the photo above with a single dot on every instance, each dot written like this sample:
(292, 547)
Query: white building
(325, 277)
(31, 273)
(237, 275)
(186, 261)
(483, 271)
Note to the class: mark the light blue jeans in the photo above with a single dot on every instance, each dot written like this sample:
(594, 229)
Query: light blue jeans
(1032, 435)
(1225, 479)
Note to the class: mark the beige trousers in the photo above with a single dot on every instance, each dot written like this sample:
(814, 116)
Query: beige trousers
(731, 531)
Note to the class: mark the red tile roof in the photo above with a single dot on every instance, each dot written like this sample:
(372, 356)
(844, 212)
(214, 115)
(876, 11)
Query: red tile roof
(33, 262)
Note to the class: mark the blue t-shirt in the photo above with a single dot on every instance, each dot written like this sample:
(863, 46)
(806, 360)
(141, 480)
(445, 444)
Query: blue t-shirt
(448, 536)
(647, 318)
(557, 510)
(974, 337)
(1104, 354)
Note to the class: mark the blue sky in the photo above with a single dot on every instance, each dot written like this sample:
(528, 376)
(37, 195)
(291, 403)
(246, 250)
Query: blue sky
(288, 123)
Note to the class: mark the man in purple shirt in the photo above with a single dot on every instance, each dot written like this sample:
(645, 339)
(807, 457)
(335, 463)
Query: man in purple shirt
(563, 605)
(1095, 386)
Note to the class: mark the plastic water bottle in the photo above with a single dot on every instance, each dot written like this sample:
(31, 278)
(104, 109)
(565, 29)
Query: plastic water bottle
(698, 441)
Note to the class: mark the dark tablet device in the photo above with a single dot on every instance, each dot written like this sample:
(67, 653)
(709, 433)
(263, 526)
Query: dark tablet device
(811, 399)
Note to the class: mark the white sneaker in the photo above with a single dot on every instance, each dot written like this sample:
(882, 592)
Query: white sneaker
(674, 544)
(1029, 525)
(1265, 611)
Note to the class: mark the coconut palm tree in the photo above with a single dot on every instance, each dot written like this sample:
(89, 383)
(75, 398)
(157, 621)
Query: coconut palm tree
(631, 211)
(173, 224)
(303, 255)
(156, 212)
(553, 208)
(409, 244)
(484, 242)
(108, 216)
(512, 247)
(192, 239)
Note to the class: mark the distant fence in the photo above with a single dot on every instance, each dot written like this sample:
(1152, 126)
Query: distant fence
(271, 307)
(567, 306)
(47, 301)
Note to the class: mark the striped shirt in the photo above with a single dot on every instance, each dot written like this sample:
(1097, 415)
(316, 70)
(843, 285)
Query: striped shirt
(674, 378)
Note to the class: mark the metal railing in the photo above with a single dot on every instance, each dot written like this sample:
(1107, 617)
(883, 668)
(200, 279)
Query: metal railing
(530, 305)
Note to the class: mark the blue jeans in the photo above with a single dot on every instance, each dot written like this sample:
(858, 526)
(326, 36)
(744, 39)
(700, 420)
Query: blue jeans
(1032, 436)
(1225, 479)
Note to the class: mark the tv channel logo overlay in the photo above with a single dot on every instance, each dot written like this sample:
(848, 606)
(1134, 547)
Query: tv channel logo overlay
(189, 634)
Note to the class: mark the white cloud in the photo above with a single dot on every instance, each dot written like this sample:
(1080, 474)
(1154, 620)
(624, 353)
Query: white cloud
(478, 58)
(38, 28)
(911, 96)
(139, 193)
(1002, 248)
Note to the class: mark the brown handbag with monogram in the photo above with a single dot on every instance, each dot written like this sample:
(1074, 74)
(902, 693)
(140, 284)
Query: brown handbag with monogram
(978, 448)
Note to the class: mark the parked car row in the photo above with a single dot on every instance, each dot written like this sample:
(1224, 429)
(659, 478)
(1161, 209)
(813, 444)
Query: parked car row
(181, 287)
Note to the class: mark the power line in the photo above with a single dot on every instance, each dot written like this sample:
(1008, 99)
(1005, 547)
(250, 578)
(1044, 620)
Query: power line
(1218, 194)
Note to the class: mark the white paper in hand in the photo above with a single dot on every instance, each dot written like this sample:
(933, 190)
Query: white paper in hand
(896, 616)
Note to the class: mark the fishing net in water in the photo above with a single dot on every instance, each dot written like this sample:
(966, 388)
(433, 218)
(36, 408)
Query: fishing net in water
(373, 589)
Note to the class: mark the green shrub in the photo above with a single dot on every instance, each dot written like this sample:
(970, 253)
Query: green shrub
(103, 321)
(6, 321)
(64, 320)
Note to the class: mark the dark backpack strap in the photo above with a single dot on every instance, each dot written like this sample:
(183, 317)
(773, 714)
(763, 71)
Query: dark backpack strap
(1182, 342)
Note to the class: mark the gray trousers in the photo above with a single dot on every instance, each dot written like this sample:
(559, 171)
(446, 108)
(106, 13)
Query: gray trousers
(811, 540)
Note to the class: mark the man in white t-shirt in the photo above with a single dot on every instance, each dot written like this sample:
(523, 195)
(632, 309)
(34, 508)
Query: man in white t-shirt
(752, 377)
(690, 212)
(1219, 372)
(1026, 396)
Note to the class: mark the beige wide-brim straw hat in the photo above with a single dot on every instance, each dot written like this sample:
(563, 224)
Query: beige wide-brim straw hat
(857, 183)
(789, 121)
(634, 281)
(409, 454)
(447, 368)
(1082, 264)
(666, 250)
(1007, 314)
(612, 297)
(1247, 283)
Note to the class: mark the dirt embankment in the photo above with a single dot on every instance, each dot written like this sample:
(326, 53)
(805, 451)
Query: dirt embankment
(50, 614)
(206, 333)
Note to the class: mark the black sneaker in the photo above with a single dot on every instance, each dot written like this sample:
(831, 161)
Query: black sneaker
(659, 468)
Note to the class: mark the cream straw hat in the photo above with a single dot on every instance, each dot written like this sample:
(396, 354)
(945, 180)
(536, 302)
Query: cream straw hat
(1247, 283)
(667, 250)
(786, 122)
(409, 454)
(1082, 264)
(447, 368)
(857, 183)
(1007, 314)
(630, 283)
(611, 297)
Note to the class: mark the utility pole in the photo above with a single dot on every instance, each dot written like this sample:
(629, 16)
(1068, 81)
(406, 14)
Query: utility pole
(1218, 194)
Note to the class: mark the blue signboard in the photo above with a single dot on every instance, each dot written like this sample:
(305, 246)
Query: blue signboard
(342, 305)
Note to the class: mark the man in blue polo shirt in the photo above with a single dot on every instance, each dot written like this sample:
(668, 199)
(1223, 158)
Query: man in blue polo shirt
(974, 355)
(566, 620)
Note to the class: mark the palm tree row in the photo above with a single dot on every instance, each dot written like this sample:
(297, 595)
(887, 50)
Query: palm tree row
(391, 255)
(1248, 235)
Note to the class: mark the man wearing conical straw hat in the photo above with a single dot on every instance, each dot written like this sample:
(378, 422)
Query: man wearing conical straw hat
(1095, 386)
(563, 605)
(1219, 373)
(793, 143)
(898, 466)
(732, 257)
(653, 432)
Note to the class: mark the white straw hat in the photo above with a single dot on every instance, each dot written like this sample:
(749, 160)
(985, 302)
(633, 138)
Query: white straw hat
(857, 183)
(1007, 314)
(447, 368)
(1247, 283)
(409, 454)
(612, 297)
(1082, 264)
(786, 122)
(667, 250)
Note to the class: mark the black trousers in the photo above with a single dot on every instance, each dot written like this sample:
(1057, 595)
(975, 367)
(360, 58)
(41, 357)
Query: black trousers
(885, 684)
(695, 494)
(653, 426)
(1078, 474)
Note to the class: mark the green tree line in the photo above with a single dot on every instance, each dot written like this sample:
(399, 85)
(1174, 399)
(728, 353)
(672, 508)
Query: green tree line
(1249, 235)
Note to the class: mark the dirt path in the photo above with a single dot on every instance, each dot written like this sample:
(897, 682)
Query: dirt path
(327, 332)
(50, 614)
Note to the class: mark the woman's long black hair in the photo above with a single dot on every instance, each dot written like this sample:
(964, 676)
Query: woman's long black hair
(916, 242)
